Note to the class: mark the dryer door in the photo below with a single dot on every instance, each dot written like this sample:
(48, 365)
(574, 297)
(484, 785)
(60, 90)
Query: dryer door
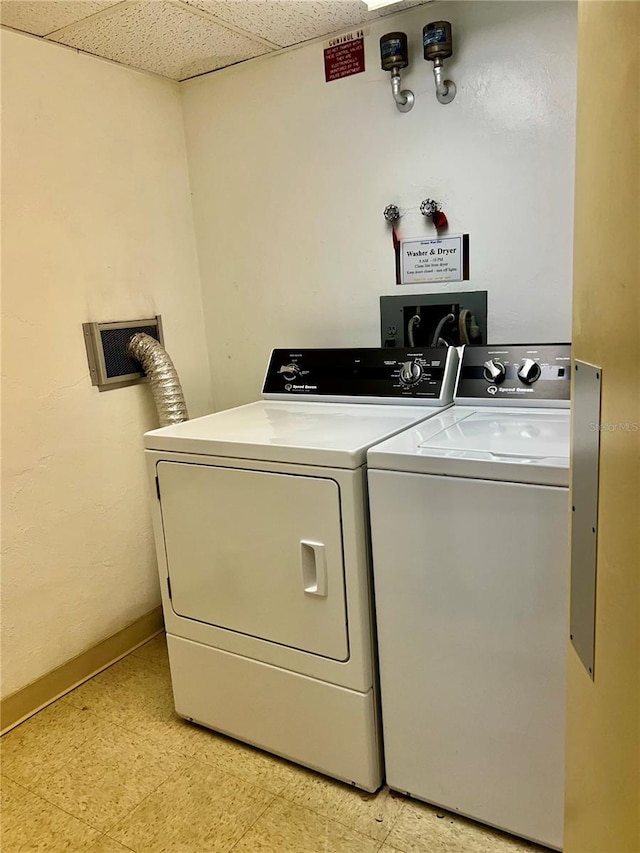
(257, 553)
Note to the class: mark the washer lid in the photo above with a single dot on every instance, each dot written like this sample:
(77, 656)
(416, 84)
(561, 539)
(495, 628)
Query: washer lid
(505, 435)
(335, 435)
(518, 445)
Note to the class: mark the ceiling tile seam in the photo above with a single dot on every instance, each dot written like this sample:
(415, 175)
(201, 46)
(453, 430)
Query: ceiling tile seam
(78, 51)
(81, 51)
(181, 80)
(320, 40)
(137, 68)
(209, 16)
(54, 35)
(102, 13)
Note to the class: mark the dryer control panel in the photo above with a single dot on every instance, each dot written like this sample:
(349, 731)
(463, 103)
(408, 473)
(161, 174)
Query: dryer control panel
(515, 374)
(424, 375)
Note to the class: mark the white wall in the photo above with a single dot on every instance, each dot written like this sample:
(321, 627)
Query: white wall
(290, 176)
(97, 225)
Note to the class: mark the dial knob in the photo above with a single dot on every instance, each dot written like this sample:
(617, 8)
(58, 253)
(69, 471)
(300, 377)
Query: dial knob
(289, 371)
(494, 371)
(529, 371)
(410, 372)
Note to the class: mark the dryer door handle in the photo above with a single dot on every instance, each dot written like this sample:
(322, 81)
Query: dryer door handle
(313, 562)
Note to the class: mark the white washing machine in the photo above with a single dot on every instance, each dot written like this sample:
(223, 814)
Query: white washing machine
(261, 530)
(469, 520)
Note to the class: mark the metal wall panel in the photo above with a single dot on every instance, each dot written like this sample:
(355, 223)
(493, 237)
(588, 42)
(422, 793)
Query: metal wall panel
(584, 527)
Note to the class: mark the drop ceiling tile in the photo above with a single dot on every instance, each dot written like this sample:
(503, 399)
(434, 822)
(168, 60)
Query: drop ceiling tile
(162, 37)
(288, 22)
(45, 16)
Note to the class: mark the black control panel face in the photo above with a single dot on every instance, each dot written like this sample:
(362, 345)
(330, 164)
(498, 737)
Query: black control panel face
(424, 373)
(519, 373)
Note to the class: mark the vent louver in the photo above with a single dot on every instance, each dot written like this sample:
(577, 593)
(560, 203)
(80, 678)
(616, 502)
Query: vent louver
(109, 364)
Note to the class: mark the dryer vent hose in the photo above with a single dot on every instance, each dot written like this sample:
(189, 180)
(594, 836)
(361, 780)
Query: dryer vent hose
(163, 378)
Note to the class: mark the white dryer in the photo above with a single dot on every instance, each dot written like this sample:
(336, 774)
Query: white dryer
(261, 530)
(469, 519)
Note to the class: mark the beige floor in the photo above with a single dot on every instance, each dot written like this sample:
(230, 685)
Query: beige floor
(111, 768)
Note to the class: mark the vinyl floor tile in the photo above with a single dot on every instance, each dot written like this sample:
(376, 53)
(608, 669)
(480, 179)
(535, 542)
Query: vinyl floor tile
(155, 651)
(200, 810)
(369, 814)
(124, 689)
(113, 757)
(44, 743)
(136, 695)
(30, 823)
(420, 830)
(108, 845)
(288, 828)
(107, 776)
(253, 765)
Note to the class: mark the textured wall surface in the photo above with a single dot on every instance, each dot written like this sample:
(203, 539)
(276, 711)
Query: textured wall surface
(96, 225)
(290, 176)
(602, 812)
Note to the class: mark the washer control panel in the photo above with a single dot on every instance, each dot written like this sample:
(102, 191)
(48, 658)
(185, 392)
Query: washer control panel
(520, 374)
(378, 374)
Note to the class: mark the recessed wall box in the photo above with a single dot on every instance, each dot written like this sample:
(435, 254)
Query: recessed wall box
(414, 320)
(109, 364)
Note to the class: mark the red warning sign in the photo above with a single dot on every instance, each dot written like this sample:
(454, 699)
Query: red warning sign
(344, 56)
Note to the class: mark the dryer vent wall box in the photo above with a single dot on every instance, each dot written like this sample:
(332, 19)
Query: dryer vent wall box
(407, 321)
(261, 532)
(109, 364)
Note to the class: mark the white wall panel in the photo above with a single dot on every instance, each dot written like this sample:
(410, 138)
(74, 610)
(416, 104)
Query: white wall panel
(290, 176)
(96, 225)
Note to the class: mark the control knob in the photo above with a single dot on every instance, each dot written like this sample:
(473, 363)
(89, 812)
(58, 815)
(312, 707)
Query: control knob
(289, 371)
(529, 371)
(410, 372)
(494, 371)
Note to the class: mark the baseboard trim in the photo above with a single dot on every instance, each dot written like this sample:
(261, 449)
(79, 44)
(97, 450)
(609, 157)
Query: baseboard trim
(17, 707)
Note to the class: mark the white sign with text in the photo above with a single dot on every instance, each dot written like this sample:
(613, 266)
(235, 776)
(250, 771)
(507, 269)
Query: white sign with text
(438, 259)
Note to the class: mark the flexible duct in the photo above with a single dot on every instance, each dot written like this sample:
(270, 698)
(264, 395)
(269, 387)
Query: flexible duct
(163, 378)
